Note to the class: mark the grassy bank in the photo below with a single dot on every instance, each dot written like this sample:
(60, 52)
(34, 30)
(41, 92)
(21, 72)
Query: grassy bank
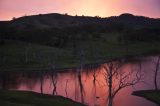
(151, 95)
(16, 55)
(25, 98)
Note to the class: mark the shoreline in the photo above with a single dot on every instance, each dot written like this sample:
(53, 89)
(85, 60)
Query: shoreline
(151, 95)
(29, 98)
(125, 58)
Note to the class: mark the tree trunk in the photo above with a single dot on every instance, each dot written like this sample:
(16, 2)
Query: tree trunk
(156, 72)
(66, 88)
(110, 88)
(81, 87)
(41, 82)
(54, 82)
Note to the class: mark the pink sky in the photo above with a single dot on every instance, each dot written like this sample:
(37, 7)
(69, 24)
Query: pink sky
(103, 8)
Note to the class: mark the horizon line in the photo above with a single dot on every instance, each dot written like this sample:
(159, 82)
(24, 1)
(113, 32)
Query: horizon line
(28, 15)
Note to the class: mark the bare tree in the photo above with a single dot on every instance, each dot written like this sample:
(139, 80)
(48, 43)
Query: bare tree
(156, 72)
(79, 85)
(94, 86)
(41, 82)
(54, 77)
(79, 72)
(66, 87)
(54, 82)
(118, 79)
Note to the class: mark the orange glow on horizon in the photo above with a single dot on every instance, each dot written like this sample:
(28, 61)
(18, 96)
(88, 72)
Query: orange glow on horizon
(103, 8)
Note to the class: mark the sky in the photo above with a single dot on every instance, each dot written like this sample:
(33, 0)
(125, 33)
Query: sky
(103, 8)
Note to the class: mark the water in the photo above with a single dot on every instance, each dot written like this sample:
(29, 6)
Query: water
(89, 87)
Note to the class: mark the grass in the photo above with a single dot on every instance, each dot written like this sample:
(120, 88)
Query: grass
(26, 98)
(152, 95)
(40, 57)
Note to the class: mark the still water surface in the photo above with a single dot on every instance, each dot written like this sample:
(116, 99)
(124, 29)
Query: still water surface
(85, 88)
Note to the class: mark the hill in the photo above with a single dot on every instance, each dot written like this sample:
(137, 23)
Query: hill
(36, 42)
(55, 20)
(62, 20)
(134, 21)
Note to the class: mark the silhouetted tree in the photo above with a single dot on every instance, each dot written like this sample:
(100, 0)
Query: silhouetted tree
(157, 63)
(113, 71)
(54, 82)
(66, 87)
(41, 82)
(79, 72)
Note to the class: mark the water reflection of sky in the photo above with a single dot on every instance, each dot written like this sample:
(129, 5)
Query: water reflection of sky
(90, 93)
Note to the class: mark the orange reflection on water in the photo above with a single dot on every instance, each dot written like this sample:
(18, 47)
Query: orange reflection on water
(83, 87)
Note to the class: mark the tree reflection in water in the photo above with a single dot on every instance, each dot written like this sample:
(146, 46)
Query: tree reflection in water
(86, 87)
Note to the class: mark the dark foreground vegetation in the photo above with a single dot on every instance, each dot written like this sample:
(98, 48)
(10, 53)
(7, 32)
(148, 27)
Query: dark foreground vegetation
(152, 95)
(25, 98)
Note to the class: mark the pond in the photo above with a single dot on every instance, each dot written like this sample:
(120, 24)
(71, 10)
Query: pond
(88, 87)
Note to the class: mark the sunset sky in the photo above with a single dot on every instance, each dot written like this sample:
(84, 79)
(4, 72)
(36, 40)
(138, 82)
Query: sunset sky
(103, 8)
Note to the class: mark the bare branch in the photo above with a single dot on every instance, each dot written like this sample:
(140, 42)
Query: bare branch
(113, 71)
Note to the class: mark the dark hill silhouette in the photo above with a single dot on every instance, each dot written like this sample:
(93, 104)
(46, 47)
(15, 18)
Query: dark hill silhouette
(62, 20)
(134, 21)
(55, 20)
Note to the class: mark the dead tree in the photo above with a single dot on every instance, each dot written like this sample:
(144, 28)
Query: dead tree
(54, 77)
(118, 79)
(156, 72)
(66, 88)
(79, 72)
(94, 86)
(54, 82)
(41, 81)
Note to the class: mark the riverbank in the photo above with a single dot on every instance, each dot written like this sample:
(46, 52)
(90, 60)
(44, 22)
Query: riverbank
(26, 98)
(151, 95)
